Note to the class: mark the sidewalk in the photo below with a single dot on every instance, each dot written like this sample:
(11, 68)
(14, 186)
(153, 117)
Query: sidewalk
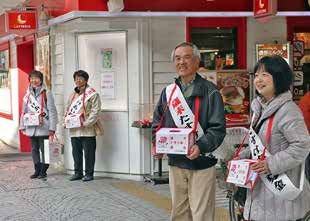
(56, 198)
(6, 149)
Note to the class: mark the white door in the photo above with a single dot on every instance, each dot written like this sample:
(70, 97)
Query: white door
(104, 56)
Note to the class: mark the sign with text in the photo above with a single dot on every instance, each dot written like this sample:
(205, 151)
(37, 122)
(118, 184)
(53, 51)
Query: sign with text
(264, 8)
(21, 20)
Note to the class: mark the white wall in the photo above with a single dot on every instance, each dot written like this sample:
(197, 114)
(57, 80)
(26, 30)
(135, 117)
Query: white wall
(166, 34)
(274, 30)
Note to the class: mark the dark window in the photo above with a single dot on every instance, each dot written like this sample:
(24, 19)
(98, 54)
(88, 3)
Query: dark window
(218, 47)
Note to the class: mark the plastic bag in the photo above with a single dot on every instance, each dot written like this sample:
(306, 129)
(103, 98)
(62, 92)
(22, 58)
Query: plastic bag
(53, 153)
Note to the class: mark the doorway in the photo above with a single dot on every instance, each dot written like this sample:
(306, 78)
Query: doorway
(25, 64)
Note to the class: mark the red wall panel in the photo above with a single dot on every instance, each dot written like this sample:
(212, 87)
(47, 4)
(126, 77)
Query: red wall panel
(188, 5)
(93, 5)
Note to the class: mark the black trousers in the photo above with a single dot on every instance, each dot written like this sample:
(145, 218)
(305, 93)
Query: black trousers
(88, 145)
(37, 146)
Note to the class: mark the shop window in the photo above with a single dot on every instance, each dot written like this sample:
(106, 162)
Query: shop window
(5, 84)
(4, 69)
(222, 41)
(218, 47)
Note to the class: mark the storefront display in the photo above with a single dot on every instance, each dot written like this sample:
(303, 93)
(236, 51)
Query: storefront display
(301, 65)
(234, 86)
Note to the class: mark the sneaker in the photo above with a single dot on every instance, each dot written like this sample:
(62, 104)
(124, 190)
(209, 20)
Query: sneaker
(75, 177)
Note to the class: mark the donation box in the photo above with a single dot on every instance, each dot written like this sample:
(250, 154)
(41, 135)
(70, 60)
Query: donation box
(174, 140)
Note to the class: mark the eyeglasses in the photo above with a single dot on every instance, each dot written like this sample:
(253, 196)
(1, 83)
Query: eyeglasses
(35, 79)
(79, 79)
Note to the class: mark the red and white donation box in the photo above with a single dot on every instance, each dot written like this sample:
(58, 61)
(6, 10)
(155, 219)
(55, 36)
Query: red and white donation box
(174, 140)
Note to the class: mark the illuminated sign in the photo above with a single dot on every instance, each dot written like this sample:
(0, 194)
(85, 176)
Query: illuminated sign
(21, 20)
(264, 8)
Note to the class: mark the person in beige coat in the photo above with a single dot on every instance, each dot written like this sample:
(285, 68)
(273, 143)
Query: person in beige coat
(288, 145)
(83, 138)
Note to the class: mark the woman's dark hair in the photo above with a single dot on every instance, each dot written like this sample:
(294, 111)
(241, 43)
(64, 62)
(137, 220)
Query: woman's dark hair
(37, 74)
(81, 73)
(279, 69)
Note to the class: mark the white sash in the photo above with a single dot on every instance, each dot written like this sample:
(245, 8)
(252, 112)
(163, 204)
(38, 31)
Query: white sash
(280, 185)
(77, 104)
(33, 105)
(182, 115)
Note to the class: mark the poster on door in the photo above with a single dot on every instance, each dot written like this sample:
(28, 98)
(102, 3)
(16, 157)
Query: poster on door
(106, 55)
(108, 85)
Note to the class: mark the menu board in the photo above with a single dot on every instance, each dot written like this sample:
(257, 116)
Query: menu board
(282, 50)
(234, 87)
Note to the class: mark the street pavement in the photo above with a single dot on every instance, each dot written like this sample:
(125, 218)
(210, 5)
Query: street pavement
(57, 198)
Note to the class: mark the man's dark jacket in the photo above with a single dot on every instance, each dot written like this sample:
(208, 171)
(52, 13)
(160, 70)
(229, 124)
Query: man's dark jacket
(211, 118)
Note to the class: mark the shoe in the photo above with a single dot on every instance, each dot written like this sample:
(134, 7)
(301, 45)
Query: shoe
(75, 177)
(42, 176)
(87, 178)
(33, 176)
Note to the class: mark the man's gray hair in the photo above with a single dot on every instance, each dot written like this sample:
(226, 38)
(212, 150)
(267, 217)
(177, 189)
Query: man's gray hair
(187, 44)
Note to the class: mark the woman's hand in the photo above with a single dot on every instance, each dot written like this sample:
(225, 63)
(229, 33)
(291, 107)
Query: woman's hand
(261, 167)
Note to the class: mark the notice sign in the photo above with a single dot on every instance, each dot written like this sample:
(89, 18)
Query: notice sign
(265, 8)
(107, 85)
(21, 20)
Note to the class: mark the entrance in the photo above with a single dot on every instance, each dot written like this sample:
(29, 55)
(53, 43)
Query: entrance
(25, 64)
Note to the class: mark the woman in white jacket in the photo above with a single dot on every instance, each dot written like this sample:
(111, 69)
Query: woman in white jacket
(38, 120)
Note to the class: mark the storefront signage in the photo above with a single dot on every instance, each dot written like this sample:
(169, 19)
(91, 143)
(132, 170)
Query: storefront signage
(21, 20)
(265, 8)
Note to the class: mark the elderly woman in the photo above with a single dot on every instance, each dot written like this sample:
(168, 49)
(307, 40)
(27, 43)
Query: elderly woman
(278, 125)
(38, 120)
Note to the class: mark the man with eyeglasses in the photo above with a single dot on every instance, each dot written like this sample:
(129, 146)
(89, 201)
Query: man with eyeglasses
(192, 176)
